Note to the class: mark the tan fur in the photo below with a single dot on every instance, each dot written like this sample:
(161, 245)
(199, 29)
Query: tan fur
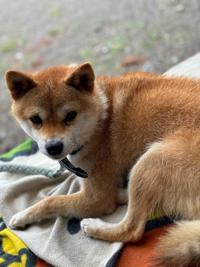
(150, 129)
(180, 247)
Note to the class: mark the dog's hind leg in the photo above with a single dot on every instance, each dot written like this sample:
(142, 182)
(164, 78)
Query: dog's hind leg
(162, 178)
(144, 195)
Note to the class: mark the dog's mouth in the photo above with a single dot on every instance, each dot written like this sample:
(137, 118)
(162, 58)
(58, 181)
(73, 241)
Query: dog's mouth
(65, 163)
(74, 152)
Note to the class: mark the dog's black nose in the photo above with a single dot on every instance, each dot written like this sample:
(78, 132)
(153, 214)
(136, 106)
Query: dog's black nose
(54, 148)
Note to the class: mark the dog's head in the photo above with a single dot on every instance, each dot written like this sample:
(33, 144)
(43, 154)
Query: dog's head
(58, 107)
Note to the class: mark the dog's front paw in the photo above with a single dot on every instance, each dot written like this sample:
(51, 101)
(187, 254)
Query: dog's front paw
(19, 220)
(91, 226)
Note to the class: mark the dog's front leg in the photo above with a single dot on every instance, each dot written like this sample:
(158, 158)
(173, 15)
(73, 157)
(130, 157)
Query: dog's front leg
(80, 204)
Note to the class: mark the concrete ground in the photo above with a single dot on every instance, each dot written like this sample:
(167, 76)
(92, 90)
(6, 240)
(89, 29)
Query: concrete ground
(115, 36)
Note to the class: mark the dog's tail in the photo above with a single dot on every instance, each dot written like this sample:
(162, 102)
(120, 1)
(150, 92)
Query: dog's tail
(181, 246)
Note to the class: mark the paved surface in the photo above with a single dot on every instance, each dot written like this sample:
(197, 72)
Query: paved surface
(35, 34)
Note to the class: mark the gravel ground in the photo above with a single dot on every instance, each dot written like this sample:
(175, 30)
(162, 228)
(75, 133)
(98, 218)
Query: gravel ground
(115, 36)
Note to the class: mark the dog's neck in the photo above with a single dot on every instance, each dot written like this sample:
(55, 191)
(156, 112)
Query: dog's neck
(100, 135)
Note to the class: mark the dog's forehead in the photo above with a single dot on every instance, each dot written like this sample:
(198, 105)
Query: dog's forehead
(55, 74)
(51, 86)
(51, 94)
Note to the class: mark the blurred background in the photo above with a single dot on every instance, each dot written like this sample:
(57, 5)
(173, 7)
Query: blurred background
(114, 35)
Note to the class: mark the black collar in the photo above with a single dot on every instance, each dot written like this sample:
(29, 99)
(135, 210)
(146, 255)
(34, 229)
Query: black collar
(65, 163)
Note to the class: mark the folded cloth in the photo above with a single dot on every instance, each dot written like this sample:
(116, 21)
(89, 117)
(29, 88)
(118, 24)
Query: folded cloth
(59, 241)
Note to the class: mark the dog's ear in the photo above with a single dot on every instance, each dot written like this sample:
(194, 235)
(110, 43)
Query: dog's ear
(18, 83)
(82, 78)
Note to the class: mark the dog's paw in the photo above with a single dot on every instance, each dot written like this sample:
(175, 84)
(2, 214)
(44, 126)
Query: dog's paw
(91, 226)
(18, 221)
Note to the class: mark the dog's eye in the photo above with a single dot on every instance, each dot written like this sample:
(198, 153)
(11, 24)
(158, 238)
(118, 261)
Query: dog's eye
(36, 120)
(70, 116)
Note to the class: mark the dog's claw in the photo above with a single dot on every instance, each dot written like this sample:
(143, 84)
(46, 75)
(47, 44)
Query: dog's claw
(89, 226)
(18, 221)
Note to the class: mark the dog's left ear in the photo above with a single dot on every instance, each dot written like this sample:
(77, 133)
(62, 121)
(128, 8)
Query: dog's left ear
(82, 78)
(18, 83)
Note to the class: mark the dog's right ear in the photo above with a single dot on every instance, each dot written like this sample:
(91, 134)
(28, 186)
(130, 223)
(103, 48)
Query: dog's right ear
(18, 83)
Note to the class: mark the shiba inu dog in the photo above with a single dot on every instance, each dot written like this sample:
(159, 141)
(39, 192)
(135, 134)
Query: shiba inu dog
(142, 125)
